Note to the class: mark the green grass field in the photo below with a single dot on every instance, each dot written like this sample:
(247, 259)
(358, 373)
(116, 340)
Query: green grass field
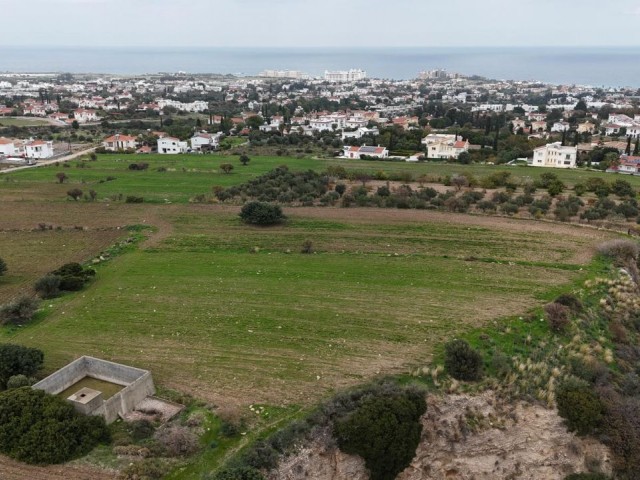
(211, 318)
(190, 175)
(22, 122)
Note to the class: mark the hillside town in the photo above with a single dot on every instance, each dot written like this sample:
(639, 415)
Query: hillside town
(438, 116)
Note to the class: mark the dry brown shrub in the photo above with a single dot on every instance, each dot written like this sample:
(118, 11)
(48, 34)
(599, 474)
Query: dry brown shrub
(177, 441)
(618, 332)
(557, 315)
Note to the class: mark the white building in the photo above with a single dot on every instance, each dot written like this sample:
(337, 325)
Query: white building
(361, 132)
(554, 155)
(358, 152)
(352, 75)
(38, 149)
(620, 119)
(487, 107)
(203, 139)
(171, 146)
(634, 131)
(85, 116)
(8, 147)
(437, 138)
(446, 146)
(119, 142)
(586, 127)
(561, 127)
(294, 74)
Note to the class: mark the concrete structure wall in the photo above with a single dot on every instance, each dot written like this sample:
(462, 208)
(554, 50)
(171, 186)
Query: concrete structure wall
(138, 384)
(64, 378)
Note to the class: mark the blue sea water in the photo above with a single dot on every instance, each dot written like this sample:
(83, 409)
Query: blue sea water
(597, 66)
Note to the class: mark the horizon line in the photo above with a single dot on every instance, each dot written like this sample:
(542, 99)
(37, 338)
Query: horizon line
(298, 47)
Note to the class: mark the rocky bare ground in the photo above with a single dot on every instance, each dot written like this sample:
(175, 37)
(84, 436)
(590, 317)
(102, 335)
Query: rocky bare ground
(467, 438)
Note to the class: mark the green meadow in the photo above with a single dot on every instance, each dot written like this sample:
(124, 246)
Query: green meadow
(177, 178)
(238, 314)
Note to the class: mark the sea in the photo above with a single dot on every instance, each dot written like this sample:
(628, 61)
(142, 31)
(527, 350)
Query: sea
(595, 66)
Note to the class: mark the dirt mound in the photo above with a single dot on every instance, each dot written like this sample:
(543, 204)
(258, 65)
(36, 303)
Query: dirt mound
(468, 438)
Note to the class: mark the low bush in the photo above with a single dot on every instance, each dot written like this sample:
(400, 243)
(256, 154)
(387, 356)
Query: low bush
(557, 316)
(141, 429)
(3, 267)
(18, 381)
(621, 433)
(462, 362)
(72, 277)
(133, 199)
(579, 405)
(147, 469)
(139, 166)
(18, 312)
(48, 286)
(307, 247)
(620, 249)
(570, 301)
(177, 441)
(262, 213)
(39, 428)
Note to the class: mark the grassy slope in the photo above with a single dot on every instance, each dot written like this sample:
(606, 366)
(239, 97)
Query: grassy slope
(208, 317)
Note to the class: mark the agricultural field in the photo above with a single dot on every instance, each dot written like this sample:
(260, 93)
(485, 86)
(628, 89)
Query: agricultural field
(178, 178)
(236, 314)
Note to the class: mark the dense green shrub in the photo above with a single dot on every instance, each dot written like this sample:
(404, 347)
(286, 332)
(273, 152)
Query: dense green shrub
(621, 433)
(461, 361)
(261, 455)
(141, 429)
(579, 405)
(39, 428)
(384, 431)
(18, 360)
(261, 213)
(133, 199)
(19, 311)
(622, 188)
(3, 267)
(18, 381)
(72, 277)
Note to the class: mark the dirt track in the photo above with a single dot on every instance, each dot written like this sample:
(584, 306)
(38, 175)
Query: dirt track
(11, 470)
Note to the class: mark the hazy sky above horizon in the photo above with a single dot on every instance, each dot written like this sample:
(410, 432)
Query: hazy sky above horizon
(289, 23)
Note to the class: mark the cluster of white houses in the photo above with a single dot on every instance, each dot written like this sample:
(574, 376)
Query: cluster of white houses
(31, 149)
(200, 142)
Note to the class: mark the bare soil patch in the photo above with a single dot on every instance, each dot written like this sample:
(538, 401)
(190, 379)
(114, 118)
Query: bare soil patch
(12, 470)
(468, 438)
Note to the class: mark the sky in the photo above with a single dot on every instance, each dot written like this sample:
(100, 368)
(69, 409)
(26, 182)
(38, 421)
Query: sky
(320, 23)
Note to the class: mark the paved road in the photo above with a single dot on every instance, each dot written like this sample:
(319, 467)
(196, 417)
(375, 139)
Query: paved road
(65, 158)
